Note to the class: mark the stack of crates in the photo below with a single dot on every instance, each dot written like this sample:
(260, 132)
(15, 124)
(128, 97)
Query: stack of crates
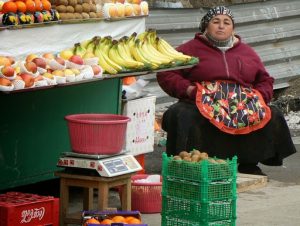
(198, 193)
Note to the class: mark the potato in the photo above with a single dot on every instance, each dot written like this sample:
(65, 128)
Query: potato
(187, 158)
(195, 158)
(195, 152)
(177, 157)
(183, 154)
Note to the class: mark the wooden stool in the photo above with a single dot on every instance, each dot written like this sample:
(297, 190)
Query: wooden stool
(89, 183)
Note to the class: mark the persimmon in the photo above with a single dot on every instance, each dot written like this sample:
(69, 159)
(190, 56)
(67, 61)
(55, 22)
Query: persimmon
(46, 5)
(9, 7)
(21, 6)
(30, 6)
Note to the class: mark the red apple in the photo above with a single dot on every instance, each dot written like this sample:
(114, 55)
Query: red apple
(120, 1)
(76, 59)
(8, 71)
(96, 69)
(28, 79)
(31, 66)
(5, 82)
(40, 62)
(60, 60)
(30, 57)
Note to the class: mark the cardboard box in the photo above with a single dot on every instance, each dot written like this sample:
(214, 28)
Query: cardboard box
(140, 130)
(109, 215)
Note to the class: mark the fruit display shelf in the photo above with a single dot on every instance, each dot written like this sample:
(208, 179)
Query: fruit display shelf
(71, 21)
(104, 76)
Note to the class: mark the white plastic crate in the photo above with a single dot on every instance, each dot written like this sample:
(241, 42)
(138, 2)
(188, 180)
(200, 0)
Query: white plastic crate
(140, 130)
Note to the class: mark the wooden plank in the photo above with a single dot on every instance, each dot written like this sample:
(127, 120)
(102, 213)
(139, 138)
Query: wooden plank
(247, 182)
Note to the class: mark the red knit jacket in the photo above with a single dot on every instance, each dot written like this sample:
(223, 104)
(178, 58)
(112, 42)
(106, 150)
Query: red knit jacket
(240, 64)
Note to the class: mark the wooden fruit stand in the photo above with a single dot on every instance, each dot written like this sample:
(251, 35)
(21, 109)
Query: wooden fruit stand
(33, 132)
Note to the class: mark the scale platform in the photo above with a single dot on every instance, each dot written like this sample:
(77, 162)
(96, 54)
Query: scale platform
(104, 165)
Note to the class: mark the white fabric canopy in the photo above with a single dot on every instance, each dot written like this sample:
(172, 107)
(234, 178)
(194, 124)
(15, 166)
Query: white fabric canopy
(54, 38)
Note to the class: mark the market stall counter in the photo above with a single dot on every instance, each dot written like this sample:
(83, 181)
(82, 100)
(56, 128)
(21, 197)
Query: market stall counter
(33, 132)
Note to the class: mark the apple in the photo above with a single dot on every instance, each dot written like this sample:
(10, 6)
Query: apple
(5, 82)
(60, 60)
(120, 10)
(40, 62)
(76, 59)
(60, 73)
(75, 71)
(48, 75)
(4, 61)
(11, 59)
(66, 54)
(88, 55)
(31, 66)
(30, 57)
(8, 71)
(49, 56)
(137, 9)
(145, 8)
(28, 79)
(128, 10)
(68, 72)
(96, 69)
(120, 1)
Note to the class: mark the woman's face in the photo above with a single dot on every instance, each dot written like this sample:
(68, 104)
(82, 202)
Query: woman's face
(220, 27)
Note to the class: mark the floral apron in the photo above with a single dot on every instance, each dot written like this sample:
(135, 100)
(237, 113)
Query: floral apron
(231, 107)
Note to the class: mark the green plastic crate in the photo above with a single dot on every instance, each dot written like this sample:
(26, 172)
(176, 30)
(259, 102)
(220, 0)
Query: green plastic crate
(200, 191)
(174, 221)
(199, 171)
(197, 211)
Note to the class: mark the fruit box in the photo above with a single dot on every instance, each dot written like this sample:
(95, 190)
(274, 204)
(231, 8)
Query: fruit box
(26, 209)
(110, 214)
(140, 130)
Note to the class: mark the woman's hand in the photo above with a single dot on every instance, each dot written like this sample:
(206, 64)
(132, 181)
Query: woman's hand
(190, 90)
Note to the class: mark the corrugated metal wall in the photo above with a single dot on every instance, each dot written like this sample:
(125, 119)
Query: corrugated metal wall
(271, 27)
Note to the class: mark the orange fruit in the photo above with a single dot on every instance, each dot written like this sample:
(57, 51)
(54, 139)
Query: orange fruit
(118, 219)
(9, 7)
(107, 221)
(38, 5)
(46, 5)
(134, 221)
(21, 6)
(128, 218)
(30, 5)
(91, 221)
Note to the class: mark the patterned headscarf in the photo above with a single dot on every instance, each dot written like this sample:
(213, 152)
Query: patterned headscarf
(219, 10)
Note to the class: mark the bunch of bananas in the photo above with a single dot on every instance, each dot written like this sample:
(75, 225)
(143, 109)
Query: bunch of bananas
(145, 51)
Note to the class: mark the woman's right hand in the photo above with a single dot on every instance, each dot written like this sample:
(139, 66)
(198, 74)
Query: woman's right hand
(190, 90)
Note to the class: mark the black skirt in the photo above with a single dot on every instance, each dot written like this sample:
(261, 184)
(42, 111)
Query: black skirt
(187, 129)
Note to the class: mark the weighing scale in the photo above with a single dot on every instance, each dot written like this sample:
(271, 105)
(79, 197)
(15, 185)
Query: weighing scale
(105, 165)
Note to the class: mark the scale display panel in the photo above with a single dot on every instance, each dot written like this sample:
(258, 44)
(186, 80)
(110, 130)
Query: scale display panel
(106, 167)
